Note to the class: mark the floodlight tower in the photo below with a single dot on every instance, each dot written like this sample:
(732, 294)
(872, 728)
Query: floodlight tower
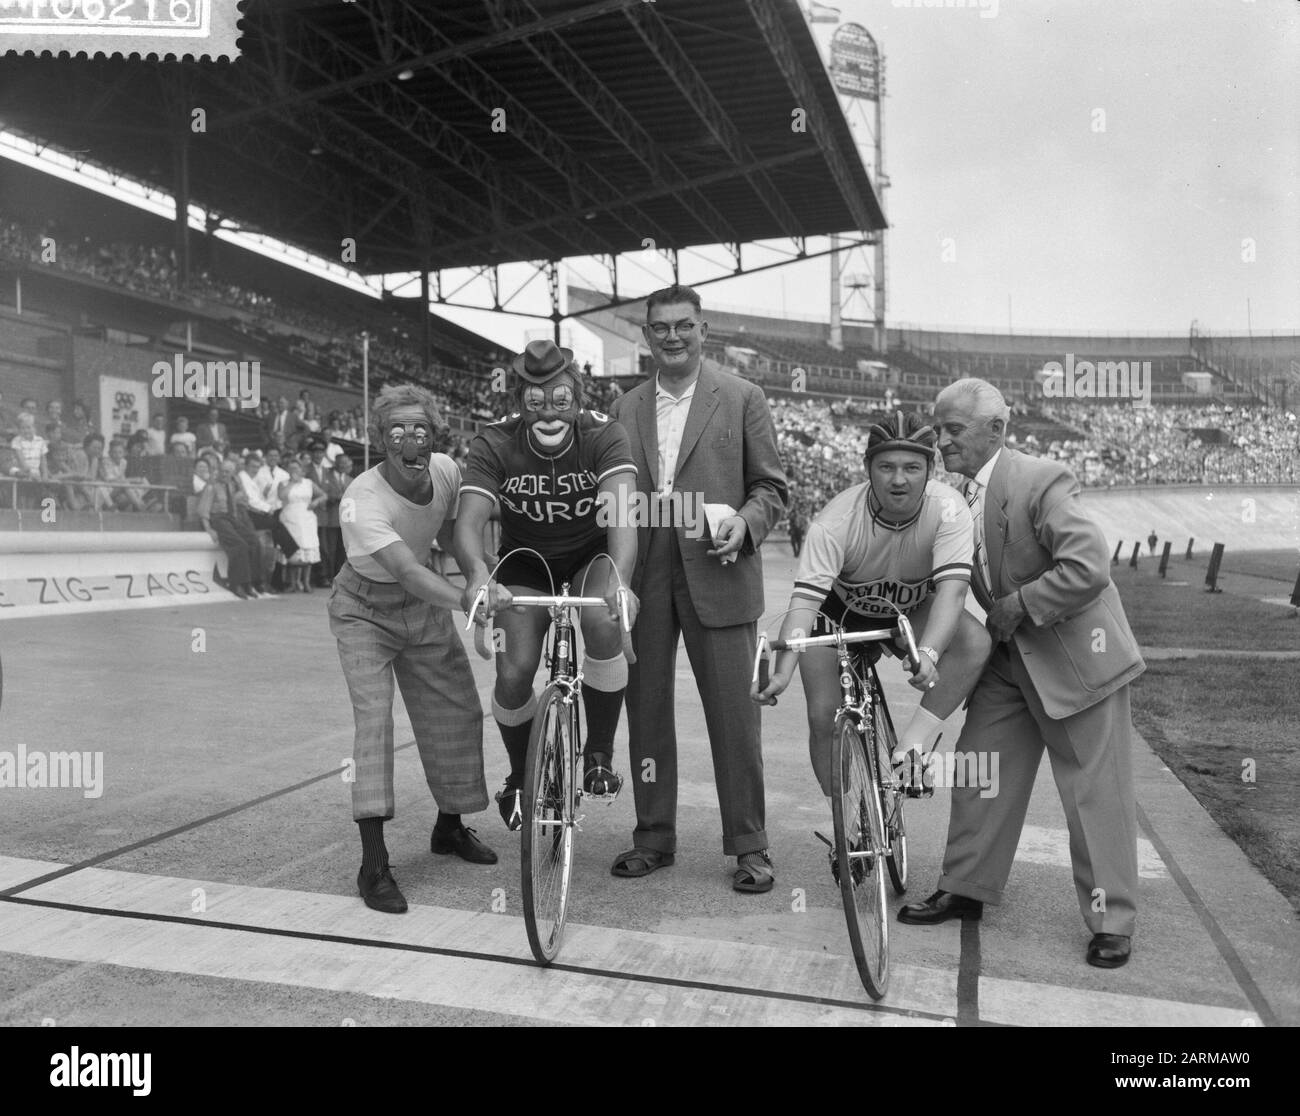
(857, 68)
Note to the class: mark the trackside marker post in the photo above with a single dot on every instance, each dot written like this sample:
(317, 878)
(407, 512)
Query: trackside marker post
(1212, 574)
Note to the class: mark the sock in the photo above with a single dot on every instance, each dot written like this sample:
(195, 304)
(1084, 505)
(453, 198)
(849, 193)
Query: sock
(922, 731)
(447, 824)
(516, 726)
(374, 854)
(603, 684)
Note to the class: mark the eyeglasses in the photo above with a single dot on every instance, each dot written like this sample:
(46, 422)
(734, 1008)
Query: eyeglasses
(398, 433)
(662, 329)
(561, 397)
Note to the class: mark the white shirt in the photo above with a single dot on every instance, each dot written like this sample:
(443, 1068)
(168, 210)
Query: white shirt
(269, 482)
(975, 490)
(670, 418)
(253, 490)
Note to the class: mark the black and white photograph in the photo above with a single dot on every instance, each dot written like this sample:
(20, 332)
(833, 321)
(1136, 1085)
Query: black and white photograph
(649, 513)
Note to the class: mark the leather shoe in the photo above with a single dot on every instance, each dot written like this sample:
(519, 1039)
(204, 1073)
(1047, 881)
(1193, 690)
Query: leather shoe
(380, 891)
(1109, 951)
(940, 907)
(464, 844)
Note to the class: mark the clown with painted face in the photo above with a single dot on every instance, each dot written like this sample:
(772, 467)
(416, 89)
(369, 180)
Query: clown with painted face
(548, 469)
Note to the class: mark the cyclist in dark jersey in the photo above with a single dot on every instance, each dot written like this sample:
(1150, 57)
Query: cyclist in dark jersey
(550, 468)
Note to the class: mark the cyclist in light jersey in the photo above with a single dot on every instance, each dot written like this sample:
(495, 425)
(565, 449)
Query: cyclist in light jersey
(903, 537)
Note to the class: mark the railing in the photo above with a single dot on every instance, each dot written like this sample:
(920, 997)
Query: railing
(49, 488)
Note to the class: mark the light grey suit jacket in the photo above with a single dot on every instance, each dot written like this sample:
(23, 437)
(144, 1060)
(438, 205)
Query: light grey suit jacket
(728, 455)
(1079, 647)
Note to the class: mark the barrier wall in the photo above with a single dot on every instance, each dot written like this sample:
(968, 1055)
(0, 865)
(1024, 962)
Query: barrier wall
(55, 573)
(1242, 517)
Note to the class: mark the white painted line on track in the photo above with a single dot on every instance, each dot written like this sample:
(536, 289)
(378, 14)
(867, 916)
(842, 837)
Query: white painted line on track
(1051, 846)
(1026, 1004)
(640, 975)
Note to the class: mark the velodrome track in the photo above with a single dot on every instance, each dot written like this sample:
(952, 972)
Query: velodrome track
(213, 880)
(1242, 517)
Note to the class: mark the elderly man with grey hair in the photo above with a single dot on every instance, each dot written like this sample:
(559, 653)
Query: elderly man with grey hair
(391, 615)
(1058, 679)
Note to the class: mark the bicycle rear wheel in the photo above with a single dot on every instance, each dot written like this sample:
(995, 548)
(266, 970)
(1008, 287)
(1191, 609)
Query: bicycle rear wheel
(892, 795)
(860, 851)
(546, 854)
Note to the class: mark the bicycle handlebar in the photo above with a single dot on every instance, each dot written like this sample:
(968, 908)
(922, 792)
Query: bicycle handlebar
(840, 639)
(480, 644)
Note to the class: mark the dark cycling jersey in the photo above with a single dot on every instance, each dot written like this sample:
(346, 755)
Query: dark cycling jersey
(547, 503)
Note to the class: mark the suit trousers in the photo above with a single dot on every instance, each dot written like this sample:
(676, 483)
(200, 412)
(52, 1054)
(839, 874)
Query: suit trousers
(242, 546)
(383, 634)
(1091, 757)
(722, 660)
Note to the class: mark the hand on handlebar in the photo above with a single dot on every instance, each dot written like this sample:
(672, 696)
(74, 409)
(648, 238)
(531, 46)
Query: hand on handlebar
(612, 602)
(926, 676)
(775, 687)
(496, 598)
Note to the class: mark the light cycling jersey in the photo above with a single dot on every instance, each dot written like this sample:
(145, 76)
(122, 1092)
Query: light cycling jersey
(854, 554)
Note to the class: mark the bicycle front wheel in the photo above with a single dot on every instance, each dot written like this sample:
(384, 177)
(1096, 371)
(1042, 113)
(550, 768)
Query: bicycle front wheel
(860, 852)
(892, 794)
(546, 854)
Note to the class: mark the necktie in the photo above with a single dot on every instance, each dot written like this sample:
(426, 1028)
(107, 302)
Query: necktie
(974, 500)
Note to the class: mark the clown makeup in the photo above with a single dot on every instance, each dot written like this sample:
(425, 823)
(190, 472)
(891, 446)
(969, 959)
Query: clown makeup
(552, 413)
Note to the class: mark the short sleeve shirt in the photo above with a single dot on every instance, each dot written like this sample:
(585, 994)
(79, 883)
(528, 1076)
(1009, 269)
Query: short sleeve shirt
(547, 502)
(854, 554)
(373, 516)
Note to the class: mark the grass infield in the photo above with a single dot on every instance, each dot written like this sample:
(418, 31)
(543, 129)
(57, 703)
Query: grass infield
(1227, 727)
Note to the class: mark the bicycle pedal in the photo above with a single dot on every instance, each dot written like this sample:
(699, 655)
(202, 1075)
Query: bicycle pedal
(607, 799)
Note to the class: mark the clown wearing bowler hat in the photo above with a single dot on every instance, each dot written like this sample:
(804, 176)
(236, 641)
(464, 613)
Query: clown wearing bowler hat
(562, 479)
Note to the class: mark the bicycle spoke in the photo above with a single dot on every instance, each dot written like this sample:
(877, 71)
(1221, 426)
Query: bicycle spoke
(547, 844)
(860, 850)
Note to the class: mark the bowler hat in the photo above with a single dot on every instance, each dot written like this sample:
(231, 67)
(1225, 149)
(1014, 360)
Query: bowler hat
(541, 360)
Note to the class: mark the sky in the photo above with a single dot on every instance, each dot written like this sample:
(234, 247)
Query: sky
(1016, 202)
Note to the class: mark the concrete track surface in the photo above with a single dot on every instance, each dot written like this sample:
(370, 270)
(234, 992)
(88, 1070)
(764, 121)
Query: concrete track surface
(213, 879)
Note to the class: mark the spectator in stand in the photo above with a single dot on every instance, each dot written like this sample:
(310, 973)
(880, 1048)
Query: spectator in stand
(137, 452)
(127, 493)
(54, 411)
(182, 449)
(331, 533)
(212, 432)
(281, 424)
(97, 495)
(269, 479)
(185, 435)
(202, 475)
(223, 517)
(261, 513)
(157, 433)
(311, 416)
(299, 499)
(62, 465)
(30, 449)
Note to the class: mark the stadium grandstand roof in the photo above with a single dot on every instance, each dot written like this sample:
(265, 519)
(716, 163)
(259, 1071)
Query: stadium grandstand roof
(623, 121)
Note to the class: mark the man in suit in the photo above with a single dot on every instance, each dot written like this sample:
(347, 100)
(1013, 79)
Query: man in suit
(1063, 656)
(212, 432)
(698, 436)
(286, 427)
